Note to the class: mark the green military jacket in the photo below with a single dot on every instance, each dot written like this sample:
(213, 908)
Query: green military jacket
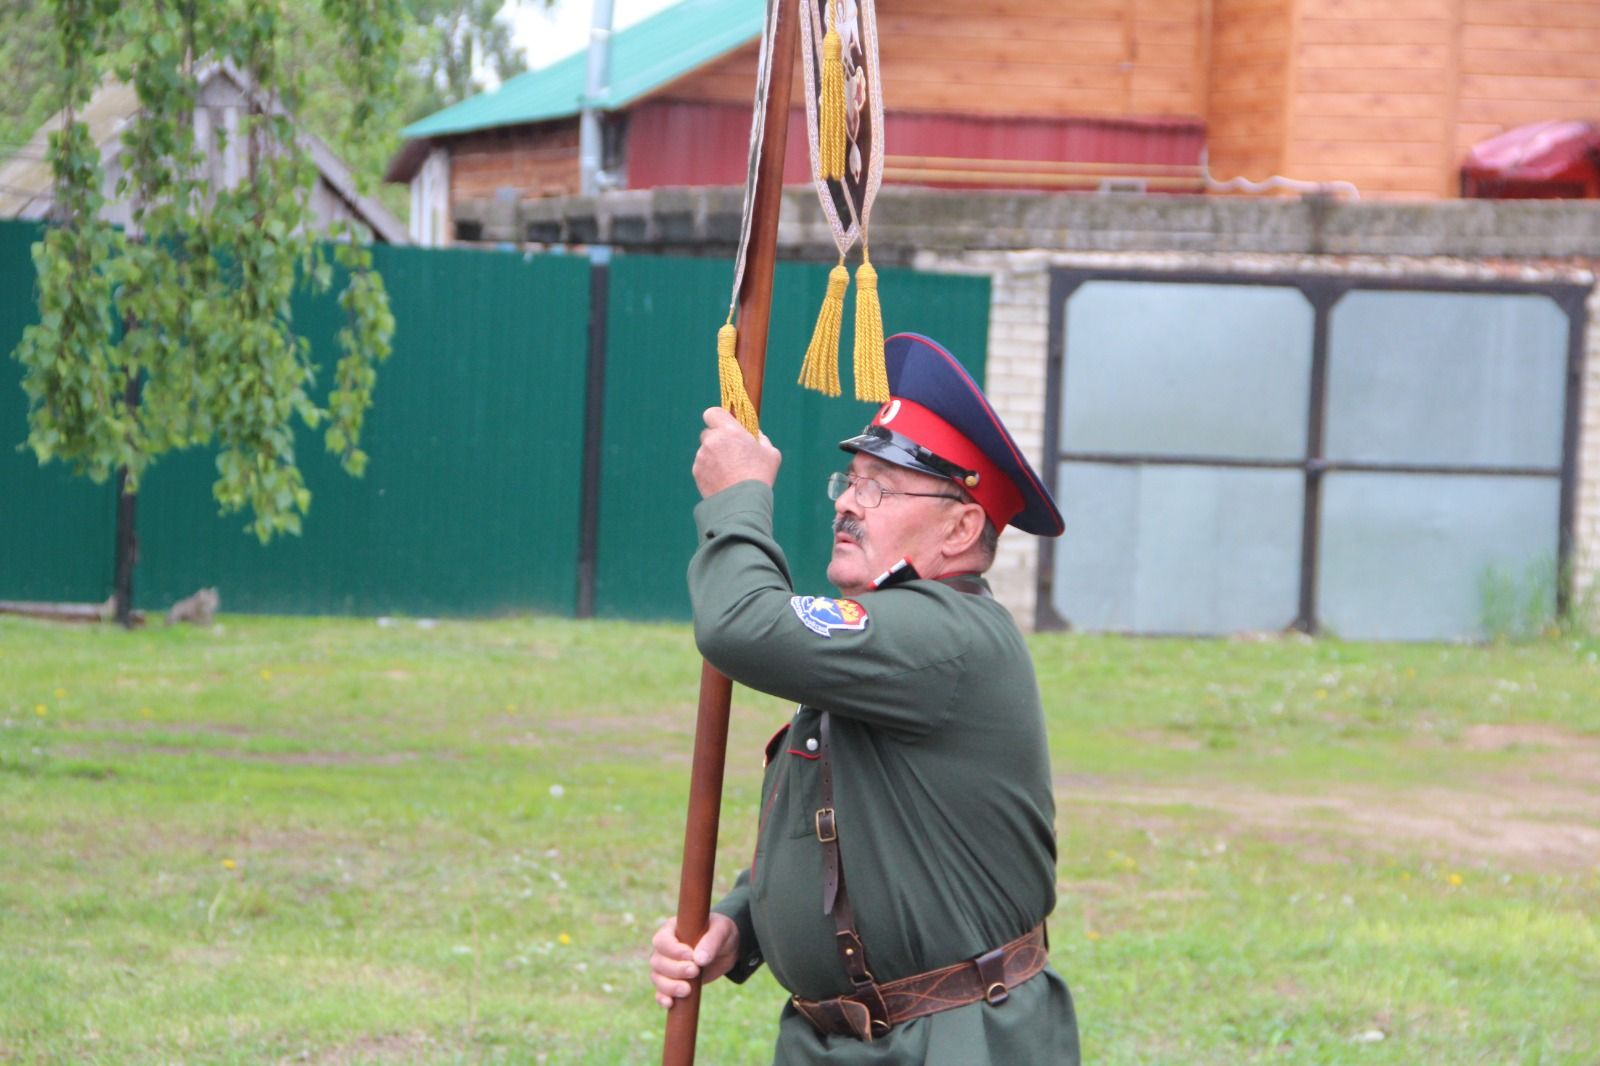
(941, 783)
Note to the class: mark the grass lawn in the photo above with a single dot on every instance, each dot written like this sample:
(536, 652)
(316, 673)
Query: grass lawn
(335, 841)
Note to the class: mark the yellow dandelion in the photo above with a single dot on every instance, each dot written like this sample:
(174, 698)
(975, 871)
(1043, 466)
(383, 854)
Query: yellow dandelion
(564, 938)
(144, 712)
(1405, 875)
(61, 693)
(1411, 671)
(229, 864)
(266, 675)
(1092, 935)
(1322, 693)
(40, 709)
(1455, 880)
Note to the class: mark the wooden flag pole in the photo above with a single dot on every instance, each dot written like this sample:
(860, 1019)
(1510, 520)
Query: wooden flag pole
(716, 691)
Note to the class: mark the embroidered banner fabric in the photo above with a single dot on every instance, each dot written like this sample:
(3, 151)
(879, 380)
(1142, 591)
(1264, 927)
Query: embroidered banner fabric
(758, 114)
(846, 202)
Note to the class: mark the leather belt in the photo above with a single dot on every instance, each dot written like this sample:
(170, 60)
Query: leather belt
(989, 977)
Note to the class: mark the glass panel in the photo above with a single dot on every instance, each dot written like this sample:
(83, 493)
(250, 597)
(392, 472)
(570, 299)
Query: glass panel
(1435, 557)
(1178, 549)
(1470, 379)
(1179, 369)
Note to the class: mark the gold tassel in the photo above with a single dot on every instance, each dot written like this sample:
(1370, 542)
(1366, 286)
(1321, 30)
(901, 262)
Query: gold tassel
(830, 135)
(734, 396)
(821, 368)
(872, 375)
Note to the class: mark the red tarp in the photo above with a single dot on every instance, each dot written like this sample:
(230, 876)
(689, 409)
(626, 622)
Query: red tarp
(1544, 160)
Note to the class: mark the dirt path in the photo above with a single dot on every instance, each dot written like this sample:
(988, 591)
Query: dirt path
(1542, 813)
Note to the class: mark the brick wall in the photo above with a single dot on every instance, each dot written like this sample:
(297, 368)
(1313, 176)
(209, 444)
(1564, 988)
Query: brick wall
(1019, 322)
(1586, 576)
(1019, 350)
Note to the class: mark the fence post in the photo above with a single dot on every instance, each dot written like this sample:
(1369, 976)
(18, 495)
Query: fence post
(594, 407)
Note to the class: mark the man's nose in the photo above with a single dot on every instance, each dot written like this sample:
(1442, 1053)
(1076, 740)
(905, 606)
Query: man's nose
(840, 506)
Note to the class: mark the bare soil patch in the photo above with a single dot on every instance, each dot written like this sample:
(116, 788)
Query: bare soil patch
(1541, 811)
(1494, 736)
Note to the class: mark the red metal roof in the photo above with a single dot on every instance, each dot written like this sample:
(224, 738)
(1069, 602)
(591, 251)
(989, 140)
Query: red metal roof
(1542, 160)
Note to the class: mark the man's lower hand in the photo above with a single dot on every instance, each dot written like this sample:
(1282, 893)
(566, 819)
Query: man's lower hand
(673, 964)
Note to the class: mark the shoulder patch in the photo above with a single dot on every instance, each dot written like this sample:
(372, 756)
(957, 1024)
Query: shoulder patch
(824, 614)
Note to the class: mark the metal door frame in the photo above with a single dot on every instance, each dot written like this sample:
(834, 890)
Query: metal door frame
(1323, 292)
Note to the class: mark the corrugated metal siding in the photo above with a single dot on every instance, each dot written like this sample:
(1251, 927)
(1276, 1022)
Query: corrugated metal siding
(56, 530)
(469, 502)
(468, 505)
(660, 374)
(691, 143)
(1072, 139)
(677, 142)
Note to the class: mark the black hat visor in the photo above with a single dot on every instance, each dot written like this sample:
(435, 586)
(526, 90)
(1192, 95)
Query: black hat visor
(881, 442)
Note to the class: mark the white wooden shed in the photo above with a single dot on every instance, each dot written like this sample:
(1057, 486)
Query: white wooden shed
(26, 186)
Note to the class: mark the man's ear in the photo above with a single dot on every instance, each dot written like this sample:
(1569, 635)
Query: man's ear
(964, 530)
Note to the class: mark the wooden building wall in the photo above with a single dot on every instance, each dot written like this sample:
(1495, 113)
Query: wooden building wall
(1246, 109)
(1024, 58)
(1387, 94)
(1390, 94)
(1374, 88)
(539, 160)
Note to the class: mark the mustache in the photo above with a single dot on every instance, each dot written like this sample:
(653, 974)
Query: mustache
(850, 527)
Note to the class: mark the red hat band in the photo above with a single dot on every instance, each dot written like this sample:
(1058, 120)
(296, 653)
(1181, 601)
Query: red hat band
(1000, 499)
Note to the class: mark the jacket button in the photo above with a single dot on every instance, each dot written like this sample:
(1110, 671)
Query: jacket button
(811, 743)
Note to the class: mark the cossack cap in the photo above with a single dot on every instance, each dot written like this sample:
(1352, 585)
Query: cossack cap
(939, 422)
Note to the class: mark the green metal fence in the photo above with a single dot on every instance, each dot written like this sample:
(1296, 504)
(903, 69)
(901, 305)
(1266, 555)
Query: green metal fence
(661, 374)
(471, 501)
(475, 436)
(56, 531)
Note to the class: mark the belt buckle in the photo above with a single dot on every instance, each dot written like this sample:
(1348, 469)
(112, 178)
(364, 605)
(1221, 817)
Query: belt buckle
(991, 967)
(831, 833)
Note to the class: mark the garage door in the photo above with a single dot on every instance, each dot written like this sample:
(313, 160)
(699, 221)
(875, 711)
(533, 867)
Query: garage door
(1327, 454)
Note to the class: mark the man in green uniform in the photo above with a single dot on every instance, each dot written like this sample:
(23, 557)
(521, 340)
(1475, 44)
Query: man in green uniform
(905, 859)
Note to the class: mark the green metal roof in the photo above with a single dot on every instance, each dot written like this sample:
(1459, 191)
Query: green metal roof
(644, 57)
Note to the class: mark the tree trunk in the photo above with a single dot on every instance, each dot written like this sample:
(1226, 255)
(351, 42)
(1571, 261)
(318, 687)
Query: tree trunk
(127, 547)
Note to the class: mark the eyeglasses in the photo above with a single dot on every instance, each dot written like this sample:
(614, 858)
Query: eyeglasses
(869, 493)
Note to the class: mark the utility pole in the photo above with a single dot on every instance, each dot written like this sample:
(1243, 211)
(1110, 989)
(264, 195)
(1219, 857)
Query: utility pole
(591, 146)
(591, 163)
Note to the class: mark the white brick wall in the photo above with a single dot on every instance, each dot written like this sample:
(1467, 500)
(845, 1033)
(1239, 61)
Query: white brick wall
(1586, 572)
(1014, 380)
(1018, 352)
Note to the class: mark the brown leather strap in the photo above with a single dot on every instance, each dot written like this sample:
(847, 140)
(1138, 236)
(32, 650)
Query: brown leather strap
(990, 977)
(827, 823)
(835, 899)
(868, 1010)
